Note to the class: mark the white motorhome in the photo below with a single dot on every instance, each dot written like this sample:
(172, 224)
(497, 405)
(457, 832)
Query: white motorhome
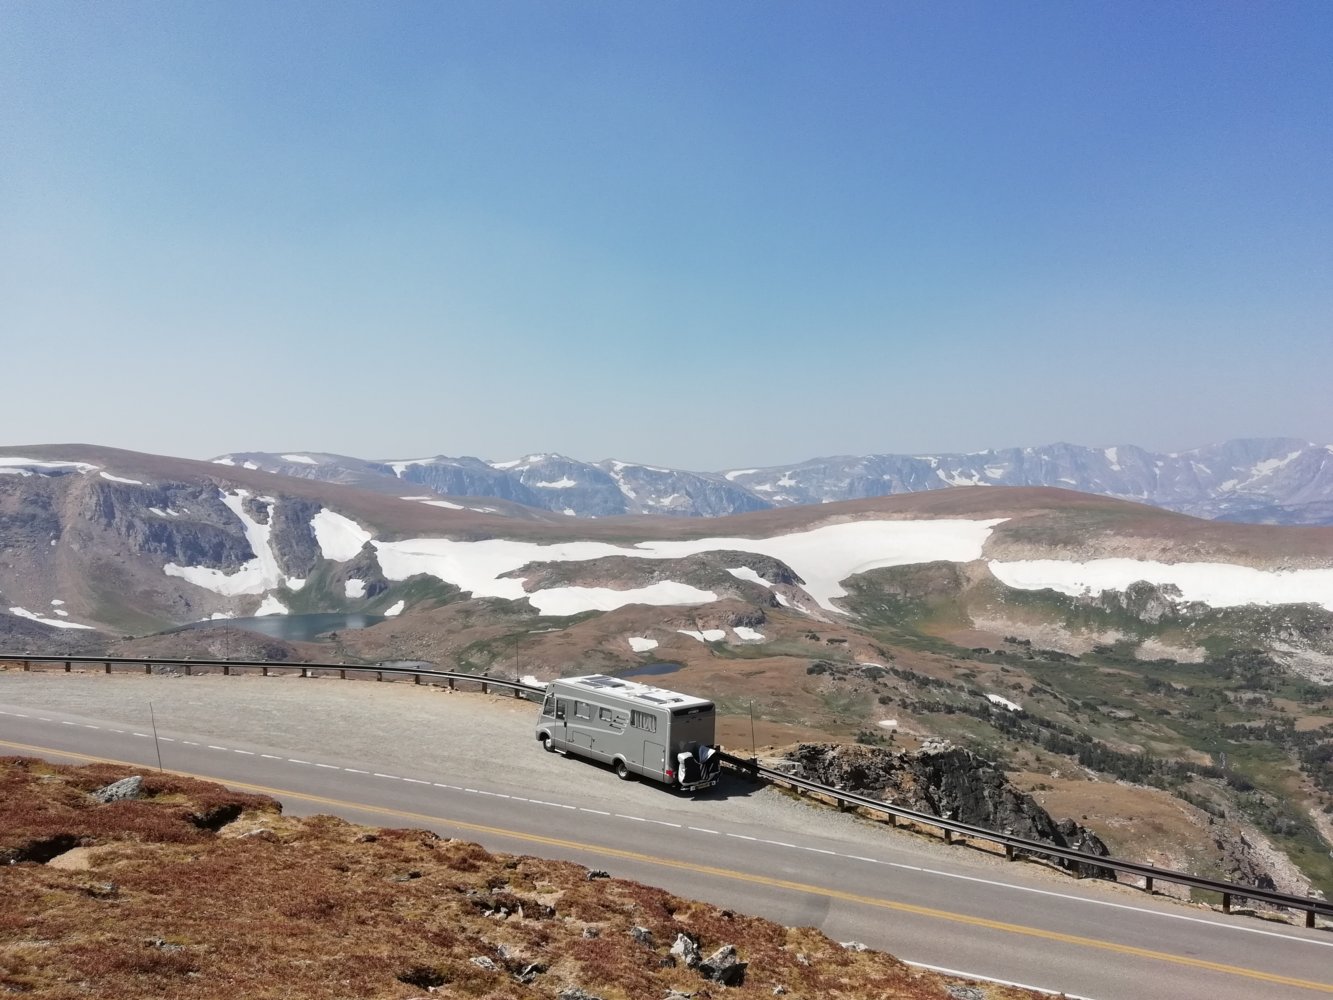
(636, 728)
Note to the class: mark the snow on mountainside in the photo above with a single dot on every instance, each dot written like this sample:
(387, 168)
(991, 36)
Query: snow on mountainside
(1267, 481)
(127, 543)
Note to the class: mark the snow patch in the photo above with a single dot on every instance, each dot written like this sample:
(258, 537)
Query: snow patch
(749, 576)
(445, 504)
(396, 610)
(1112, 456)
(56, 622)
(747, 634)
(31, 466)
(256, 576)
(1005, 703)
(734, 473)
(400, 467)
(354, 589)
(640, 644)
(224, 460)
(119, 479)
(888, 723)
(563, 601)
(250, 465)
(562, 483)
(1219, 585)
(340, 538)
(270, 605)
(295, 583)
(300, 459)
(707, 635)
(56, 603)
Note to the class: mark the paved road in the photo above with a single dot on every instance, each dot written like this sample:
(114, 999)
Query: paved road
(941, 908)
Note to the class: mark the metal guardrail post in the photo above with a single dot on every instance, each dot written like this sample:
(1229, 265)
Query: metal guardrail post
(342, 675)
(1309, 918)
(485, 688)
(108, 666)
(1147, 883)
(148, 668)
(226, 670)
(1226, 902)
(67, 666)
(451, 684)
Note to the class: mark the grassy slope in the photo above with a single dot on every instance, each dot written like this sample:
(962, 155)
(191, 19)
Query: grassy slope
(278, 907)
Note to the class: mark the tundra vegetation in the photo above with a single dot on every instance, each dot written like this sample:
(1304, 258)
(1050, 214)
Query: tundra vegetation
(188, 889)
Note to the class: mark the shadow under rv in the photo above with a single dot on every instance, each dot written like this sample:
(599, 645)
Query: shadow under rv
(636, 728)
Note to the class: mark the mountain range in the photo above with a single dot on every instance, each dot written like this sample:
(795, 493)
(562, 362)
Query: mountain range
(1258, 480)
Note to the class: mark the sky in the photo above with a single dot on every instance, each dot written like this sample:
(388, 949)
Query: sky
(701, 235)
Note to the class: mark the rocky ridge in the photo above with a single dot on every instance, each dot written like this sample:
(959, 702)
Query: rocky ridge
(946, 781)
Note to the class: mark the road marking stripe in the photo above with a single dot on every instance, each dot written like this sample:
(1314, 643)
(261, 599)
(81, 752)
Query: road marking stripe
(992, 979)
(700, 829)
(355, 770)
(210, 746)
(270, 756)
(248, 753)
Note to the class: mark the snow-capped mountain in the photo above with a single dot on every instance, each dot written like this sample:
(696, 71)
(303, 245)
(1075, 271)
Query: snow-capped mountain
(1264, 480)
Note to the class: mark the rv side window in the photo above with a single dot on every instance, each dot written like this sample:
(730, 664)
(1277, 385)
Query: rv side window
(642, 720)
(604, 714)
(582, 710)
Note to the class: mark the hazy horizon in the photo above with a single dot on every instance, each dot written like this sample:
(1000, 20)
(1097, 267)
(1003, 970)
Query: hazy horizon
(692, 236)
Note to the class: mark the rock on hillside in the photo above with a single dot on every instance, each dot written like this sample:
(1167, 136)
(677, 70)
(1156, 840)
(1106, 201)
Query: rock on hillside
(948, 781)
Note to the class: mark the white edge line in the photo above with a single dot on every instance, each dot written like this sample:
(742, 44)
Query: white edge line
(998, 982)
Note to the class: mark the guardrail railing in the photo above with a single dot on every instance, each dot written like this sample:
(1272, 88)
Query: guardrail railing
(189, 664)
(749, 767)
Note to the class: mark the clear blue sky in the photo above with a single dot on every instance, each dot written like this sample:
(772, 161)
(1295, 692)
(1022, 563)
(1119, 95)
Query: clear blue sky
(704, 235)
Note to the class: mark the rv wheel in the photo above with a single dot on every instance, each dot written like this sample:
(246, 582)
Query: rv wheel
(549, 744)
(622, 771)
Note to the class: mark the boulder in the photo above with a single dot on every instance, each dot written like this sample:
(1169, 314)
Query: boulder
(125, 788)
(686, 949)
(724, 967)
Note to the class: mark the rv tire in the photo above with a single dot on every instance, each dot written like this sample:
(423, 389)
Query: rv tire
(547, 743)
(622, 771)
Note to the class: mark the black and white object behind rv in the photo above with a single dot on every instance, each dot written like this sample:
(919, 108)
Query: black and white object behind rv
(636, 728)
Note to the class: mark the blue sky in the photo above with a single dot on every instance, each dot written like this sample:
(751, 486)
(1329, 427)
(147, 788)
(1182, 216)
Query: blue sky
(704, 235)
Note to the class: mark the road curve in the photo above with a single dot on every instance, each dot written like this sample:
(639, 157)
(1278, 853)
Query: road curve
(985, 920)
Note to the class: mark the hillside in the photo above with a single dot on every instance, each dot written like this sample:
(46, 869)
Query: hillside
(190, 890)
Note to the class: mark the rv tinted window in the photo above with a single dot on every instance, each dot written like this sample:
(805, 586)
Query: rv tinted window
(642, 720)
(604, 714)
(583, 710)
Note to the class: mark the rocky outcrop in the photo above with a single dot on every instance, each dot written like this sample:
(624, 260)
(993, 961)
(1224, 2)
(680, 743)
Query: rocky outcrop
(947, 781)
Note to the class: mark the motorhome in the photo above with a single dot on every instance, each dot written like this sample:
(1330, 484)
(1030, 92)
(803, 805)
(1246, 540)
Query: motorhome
(636, 728)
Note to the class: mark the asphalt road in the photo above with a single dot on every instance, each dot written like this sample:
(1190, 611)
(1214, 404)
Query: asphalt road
(855, 882)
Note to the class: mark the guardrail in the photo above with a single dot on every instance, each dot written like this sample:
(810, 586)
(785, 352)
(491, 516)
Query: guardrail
(189, 664)
(748, 767)
(1013, 845)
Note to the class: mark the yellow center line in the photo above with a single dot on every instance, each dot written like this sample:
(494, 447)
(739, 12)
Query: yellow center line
(726, 873)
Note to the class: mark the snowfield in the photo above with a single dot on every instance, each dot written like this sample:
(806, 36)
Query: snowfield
(823, 557)
(640, 644)
(35, 466)
(1219, 585)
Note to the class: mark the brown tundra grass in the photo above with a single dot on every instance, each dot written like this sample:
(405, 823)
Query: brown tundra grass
(274, 907)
